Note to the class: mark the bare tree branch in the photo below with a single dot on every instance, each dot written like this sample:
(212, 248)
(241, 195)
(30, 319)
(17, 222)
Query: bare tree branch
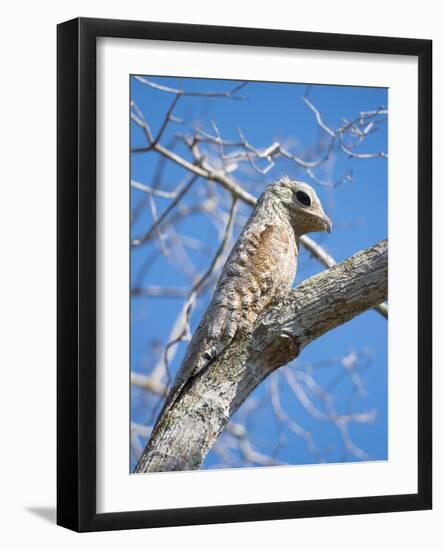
(229, 94)
(228, 169)
(189, 429)
(202, 168)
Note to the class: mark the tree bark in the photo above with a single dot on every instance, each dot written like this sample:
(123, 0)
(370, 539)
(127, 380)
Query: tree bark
(186, 432)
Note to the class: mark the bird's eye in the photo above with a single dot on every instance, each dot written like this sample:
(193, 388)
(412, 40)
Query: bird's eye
(303, 198)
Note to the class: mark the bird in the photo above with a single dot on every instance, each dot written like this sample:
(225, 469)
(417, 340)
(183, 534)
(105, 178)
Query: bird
(260, 268)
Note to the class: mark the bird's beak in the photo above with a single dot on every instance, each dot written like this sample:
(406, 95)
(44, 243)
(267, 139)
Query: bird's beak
(328, 224)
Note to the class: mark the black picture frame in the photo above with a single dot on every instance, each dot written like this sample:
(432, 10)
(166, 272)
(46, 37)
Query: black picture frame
(76, 279)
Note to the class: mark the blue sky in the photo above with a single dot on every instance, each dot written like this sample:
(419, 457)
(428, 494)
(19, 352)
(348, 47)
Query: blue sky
(272, 112)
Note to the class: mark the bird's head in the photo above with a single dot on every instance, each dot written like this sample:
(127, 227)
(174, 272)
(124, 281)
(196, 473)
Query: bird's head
(302, 205)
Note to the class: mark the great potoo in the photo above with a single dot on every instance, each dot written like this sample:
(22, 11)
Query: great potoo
(260, 268)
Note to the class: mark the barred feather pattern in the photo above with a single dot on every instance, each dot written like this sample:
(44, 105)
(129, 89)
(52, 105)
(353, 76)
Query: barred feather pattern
(260, 268)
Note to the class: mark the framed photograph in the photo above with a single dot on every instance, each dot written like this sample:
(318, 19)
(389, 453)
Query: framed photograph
(235, 342)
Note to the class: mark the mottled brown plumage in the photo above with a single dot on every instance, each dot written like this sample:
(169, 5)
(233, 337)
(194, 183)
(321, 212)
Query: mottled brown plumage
(261, 266)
